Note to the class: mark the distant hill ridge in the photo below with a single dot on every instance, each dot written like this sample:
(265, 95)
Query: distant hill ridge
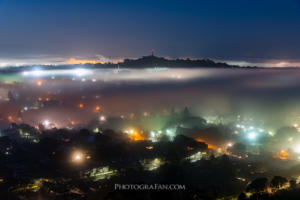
(154, 61)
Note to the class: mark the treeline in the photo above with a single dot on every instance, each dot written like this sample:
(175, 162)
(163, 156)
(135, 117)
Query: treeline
(277, 188)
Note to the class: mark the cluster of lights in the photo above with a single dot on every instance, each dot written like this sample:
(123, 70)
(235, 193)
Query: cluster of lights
(296, 126)
(134, 134)
(252, 132)
(152, 164)
(171, 134)
(195, 157)
(156, 135)
(47, 124)
(100, 173)
(249, 128)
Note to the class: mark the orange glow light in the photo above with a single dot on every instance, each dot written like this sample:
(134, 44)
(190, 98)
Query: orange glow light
(81, 105)
(135, 135)
(189, 148)
(97, 108)
(10, 118)
(283, 155)
(210, 146)
(39, 83)
(78, 157)
(74, 61)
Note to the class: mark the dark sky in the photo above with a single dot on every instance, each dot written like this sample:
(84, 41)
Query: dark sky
(240, 30)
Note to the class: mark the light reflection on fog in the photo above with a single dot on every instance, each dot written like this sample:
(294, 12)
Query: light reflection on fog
(267, 93)
(151, 74)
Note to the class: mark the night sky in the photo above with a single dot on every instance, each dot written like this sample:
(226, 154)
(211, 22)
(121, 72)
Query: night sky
(233, 30)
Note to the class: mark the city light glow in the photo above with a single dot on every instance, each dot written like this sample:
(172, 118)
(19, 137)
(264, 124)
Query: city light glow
(46, 123)
(297, 149)
(252, 135)
(134, 135)
(102, 118)
(78, 157)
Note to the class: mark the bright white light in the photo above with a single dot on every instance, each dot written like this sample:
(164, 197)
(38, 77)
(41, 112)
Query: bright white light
(37, 72)
(25, 73)
(170, 134)
(77, 156)
(252, 135)
(297, 149)
(46, 123)
(229, 144)
(25, 108)
(81, 72)
(271, 133)
(102, 118)
(152, 134)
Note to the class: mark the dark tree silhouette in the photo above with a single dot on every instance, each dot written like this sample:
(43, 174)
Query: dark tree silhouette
(278, 181)
(242, 196)
(238, 149)
(293, 184)
(257, 185)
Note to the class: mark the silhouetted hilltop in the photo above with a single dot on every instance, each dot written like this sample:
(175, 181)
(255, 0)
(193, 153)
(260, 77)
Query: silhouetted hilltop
(154, 61)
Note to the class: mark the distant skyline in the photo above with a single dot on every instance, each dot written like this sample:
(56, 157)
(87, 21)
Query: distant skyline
(257, 32)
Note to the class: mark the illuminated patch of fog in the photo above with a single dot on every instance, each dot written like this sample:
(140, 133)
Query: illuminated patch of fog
(153, 74)
(266, 93)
